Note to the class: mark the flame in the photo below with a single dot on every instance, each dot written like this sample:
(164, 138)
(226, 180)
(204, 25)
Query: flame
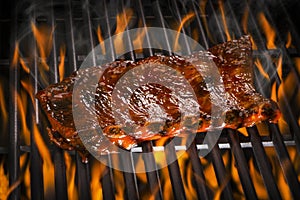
(245, 19)
(279, 68)
(61, 65)
(288, 40)
(4, 183)
(98, 170)
(48, 167)
(257, 181)
(261, 69)
(297, 64)
(185, 21)
(26, 177)
(221, 6)
(44, 37)
(166, 184)
(138, 41)
(268, 30)
(187, 175)
(123, 20)
(44, 40)
(101, 40)
(3, 109)
(15, 58)
(120, 184)
(24, 66)
(202, 7)
(22, 106)
(70, 174)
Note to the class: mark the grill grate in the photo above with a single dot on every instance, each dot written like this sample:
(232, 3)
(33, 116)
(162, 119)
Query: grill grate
(75, 25)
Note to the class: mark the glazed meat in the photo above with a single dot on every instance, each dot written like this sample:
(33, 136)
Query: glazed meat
(152, 110)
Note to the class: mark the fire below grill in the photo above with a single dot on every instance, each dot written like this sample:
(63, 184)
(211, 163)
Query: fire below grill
(49, 40)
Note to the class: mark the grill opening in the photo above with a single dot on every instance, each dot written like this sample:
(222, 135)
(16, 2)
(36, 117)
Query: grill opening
(44, 41)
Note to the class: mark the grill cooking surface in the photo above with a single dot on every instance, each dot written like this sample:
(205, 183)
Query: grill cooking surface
(42, 42)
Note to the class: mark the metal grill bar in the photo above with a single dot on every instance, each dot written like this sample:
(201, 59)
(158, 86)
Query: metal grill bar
(107, 182)
(263, 164)
(58, 154)
(83, 178)
(14, 124)
(130, 179)
(152, 176)
(241, 165)
(201, 186)
(221, 174)
(70, 36)
(285, 161)
(36, 163)
(153, 180)
(174, 172)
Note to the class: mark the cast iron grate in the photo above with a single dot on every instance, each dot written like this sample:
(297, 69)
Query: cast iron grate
(76, 22)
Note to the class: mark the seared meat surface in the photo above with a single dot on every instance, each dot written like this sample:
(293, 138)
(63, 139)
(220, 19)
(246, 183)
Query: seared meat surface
(242, 105)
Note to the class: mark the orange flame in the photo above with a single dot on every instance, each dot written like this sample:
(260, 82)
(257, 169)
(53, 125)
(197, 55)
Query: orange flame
(44, 37)
(70, 174)
(61, 65)
(4, 183)
(101, 39)
(187, 174)
(22, 106)
(15, 57)
(268, 30)
(245, 19)
(98, 170)
(224, 20)
(123, 20)
(48, 168)
(202, 7)
(24, 66)
(288, 40)
(4, 112)
(261, 69)
(26, 177)
(186, 20)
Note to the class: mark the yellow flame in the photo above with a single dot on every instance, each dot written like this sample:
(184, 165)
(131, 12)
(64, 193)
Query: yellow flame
(187, 175)
(257, 181)
(221, 6)
(166, 184)
(268, 31)
(48, 168)
(61, 66)
(70, 174)
(185, 21)
(98, 170)
(243, 131)
(123, 19)
(120, 184)
(138, 41)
